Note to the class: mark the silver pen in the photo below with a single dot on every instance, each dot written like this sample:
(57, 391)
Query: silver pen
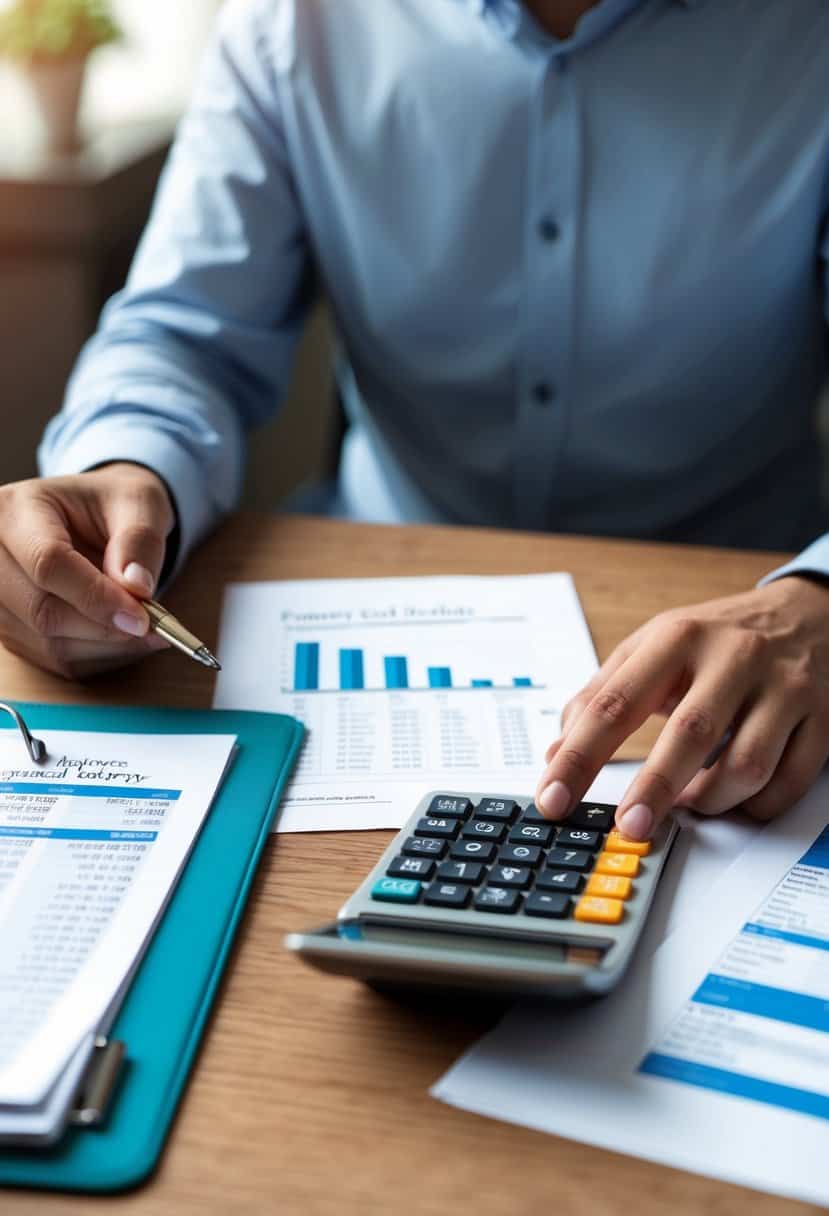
(169, 627)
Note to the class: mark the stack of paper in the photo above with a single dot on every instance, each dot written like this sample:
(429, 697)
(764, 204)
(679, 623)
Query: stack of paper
(91, 845)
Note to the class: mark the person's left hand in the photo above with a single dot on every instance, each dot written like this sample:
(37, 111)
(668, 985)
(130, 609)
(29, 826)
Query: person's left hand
(755, 664)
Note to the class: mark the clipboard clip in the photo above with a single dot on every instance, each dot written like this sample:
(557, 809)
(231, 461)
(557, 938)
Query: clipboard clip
(102, 1073)
(35, 747)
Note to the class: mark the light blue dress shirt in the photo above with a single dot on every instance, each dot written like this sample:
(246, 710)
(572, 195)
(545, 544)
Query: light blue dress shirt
(579, 285)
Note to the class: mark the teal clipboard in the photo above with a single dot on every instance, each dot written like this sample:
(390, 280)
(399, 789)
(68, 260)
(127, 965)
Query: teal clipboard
(167, 1006)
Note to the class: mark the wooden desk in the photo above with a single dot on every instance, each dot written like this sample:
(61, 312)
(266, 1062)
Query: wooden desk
(310, 1094)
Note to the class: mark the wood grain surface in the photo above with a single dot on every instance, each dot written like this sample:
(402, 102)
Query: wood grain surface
(310, 1094)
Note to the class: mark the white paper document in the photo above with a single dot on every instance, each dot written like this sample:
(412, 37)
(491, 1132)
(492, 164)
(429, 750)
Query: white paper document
(91, 844)
(405, 685)
(713, 1055)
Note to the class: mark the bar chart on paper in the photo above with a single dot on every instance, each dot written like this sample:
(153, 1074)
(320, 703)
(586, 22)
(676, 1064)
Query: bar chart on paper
(405, 684)
(395, 673)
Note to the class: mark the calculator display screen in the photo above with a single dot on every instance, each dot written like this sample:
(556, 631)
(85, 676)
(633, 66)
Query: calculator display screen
(468, 943)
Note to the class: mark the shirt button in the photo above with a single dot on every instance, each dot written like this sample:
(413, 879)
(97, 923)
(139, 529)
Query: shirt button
(543, 392)
(548, 229)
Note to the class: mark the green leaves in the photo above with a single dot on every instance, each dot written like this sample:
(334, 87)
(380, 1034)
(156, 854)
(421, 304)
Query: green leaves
(37, 30)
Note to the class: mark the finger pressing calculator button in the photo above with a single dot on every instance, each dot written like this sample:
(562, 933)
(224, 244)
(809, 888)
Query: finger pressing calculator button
(598, 911)
(511, 876)
(470, 872)
(559, 880)
(626, 864)
(520, 854)
(594, 815)
(411, 867)
(502, 809)
(448, 804)
(417, 847)
(570, 859)
(484, 829)
(531, 833)
(397, 890)
(546, 903)
(497, 899)
(473, 850)
(578, 838)
(446, 829)
(617, 843)
(612, 885)
(447, 895)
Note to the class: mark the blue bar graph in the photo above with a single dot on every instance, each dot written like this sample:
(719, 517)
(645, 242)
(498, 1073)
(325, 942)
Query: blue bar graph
(397, 671)
(352, 660)
(351, 670)
(439, 677)
(306, 666)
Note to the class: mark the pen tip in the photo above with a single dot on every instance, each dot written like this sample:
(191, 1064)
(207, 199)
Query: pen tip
(209, 660)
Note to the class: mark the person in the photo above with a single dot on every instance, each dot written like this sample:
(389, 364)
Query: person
(577, 256)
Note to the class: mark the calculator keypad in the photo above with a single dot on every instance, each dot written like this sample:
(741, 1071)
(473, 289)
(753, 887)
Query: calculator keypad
(498, 856)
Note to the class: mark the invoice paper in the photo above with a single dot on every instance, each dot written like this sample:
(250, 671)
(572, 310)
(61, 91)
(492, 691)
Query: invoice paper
(713, 1055)
(91, 843)
(405, 685)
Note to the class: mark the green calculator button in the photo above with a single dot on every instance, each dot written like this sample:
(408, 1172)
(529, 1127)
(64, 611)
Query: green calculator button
(397, 890)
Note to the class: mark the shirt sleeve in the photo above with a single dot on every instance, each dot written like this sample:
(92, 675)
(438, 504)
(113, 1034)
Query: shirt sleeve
(198, 346)
(814, 559)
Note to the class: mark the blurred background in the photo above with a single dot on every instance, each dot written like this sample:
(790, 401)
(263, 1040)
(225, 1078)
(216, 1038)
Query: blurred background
(70, 218)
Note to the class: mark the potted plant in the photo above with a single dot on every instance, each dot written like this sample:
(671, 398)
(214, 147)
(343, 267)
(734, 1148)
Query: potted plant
(51, 40)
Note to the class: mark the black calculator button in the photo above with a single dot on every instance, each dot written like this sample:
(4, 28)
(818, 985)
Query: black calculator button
(559, 880)
(497, 899)
(484, 829)
(570, 859)
(447, 895)
(596, 815)
(473, 850)
(546, 903)
(533, 815)
(519, 877)
(578, 838)
(411, 867)
(520, 854)
(531, 833)
(503, 810)
(415, 846)
(470, 872)
(446, 829)
(447, 804)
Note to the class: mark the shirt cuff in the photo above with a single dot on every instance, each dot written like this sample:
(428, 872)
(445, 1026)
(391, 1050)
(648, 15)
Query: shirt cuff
(814, 560)
(104, 442)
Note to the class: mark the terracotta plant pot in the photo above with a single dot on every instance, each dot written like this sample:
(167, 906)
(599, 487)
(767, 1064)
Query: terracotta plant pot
(56, 87)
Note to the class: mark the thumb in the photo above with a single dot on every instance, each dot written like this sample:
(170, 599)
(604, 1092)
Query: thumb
(138, 523)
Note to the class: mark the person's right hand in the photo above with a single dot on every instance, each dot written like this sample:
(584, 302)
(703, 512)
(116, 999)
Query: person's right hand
(77, 556)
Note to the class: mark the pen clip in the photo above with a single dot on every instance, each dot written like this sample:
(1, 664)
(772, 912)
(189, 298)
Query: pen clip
(35, 747)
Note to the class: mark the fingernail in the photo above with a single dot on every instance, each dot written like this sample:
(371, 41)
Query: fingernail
(140, 577)
(130, 624)
(636, 822)
(555, 800)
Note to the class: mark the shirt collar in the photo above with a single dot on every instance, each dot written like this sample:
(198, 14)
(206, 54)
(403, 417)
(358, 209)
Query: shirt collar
(510, 15)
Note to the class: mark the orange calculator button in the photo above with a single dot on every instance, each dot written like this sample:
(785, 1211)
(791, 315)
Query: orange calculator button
(626, 864)
(611, 885)
(617, 843)
(599, 911)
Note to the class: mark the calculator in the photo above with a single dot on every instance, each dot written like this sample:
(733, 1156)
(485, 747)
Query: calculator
(479, 892)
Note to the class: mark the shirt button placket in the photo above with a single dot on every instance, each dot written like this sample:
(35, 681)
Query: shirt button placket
(549, 245)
